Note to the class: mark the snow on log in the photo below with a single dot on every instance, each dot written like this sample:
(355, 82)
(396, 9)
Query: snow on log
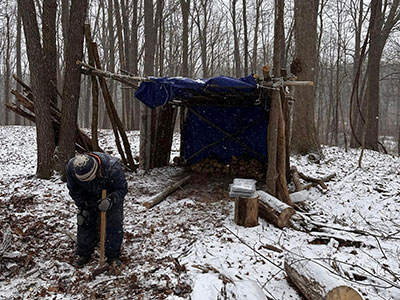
(164, 194)
(300, 197)
(315, 279)
(273, 210)
(246, 211)
(211, 286)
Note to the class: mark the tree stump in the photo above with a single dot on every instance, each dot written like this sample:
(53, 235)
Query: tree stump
(246, 211)
(314, 279)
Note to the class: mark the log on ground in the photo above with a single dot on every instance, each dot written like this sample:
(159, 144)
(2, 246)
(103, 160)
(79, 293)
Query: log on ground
(164, 194)
(274, 211)
(315, 279)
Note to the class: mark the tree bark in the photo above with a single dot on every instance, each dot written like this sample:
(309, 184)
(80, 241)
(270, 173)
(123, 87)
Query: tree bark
(246, 211)
(255, 41)
(146, 115)
(72, 83)
(185, 9)
(379, 30)
(18, 55)
(95, 89)
(246, 40)
(44, 126)
(304, 136)
(7, 71)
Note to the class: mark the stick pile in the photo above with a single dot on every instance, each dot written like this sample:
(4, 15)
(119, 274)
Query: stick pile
(25, 107)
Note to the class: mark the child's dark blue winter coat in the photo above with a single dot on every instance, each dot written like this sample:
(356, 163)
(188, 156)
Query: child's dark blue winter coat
(86, 194)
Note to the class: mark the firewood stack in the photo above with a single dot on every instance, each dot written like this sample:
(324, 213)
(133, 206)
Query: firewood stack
(238, 167)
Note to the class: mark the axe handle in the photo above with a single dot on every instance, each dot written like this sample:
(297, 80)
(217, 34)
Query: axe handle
(103, 221)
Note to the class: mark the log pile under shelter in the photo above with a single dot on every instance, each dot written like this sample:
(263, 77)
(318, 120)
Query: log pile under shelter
(246, 168)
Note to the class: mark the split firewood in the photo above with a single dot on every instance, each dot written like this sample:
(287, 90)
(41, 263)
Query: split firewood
(273, 210)
(315, 279)
(164, 194)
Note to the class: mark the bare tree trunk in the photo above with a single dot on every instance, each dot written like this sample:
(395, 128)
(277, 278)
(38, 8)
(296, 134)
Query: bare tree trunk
(95, 89)
(185, 8)
(380, 29)
(122, 58)
(358, 21)
(7, 71)
(236, 54)
(44, 126)
(255, 41)
(246, 40)
(18, 54)
(373, 71)
(71, 89)
(127, 96)
(50, 47)
(304, 135)
(146, 133)
(135, 58)
(398, 121)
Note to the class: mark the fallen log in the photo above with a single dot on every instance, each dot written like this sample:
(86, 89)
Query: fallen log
(315, 279)
(164, 194)
(273, 210)
(316, 181)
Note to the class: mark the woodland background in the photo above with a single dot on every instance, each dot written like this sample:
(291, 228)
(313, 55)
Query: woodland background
(205, 38)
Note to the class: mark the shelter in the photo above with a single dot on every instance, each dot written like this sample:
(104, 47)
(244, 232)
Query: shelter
(224, 117)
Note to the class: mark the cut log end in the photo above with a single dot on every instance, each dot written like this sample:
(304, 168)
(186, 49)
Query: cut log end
(246, 211)
(284, 217)
(343, 293)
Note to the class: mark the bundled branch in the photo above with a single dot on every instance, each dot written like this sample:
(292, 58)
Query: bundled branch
(25, 107)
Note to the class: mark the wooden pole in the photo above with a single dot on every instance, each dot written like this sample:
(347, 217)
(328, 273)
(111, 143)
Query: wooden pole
(95, 89)
(103, 222)
(162, 195)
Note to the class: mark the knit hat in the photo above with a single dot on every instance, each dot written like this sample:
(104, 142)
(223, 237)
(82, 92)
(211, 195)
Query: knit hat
(85, 167)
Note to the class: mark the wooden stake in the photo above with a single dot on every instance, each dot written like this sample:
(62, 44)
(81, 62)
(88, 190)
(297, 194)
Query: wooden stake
(103, 222)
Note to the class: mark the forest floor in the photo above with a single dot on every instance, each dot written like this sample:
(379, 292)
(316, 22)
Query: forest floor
(188, 246)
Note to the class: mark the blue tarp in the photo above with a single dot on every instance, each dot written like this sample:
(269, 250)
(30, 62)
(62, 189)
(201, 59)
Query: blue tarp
(236, 131)
(210, 130)
(160, 91)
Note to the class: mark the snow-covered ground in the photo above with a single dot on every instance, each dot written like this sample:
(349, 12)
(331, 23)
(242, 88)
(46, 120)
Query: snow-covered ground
(188, 246)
